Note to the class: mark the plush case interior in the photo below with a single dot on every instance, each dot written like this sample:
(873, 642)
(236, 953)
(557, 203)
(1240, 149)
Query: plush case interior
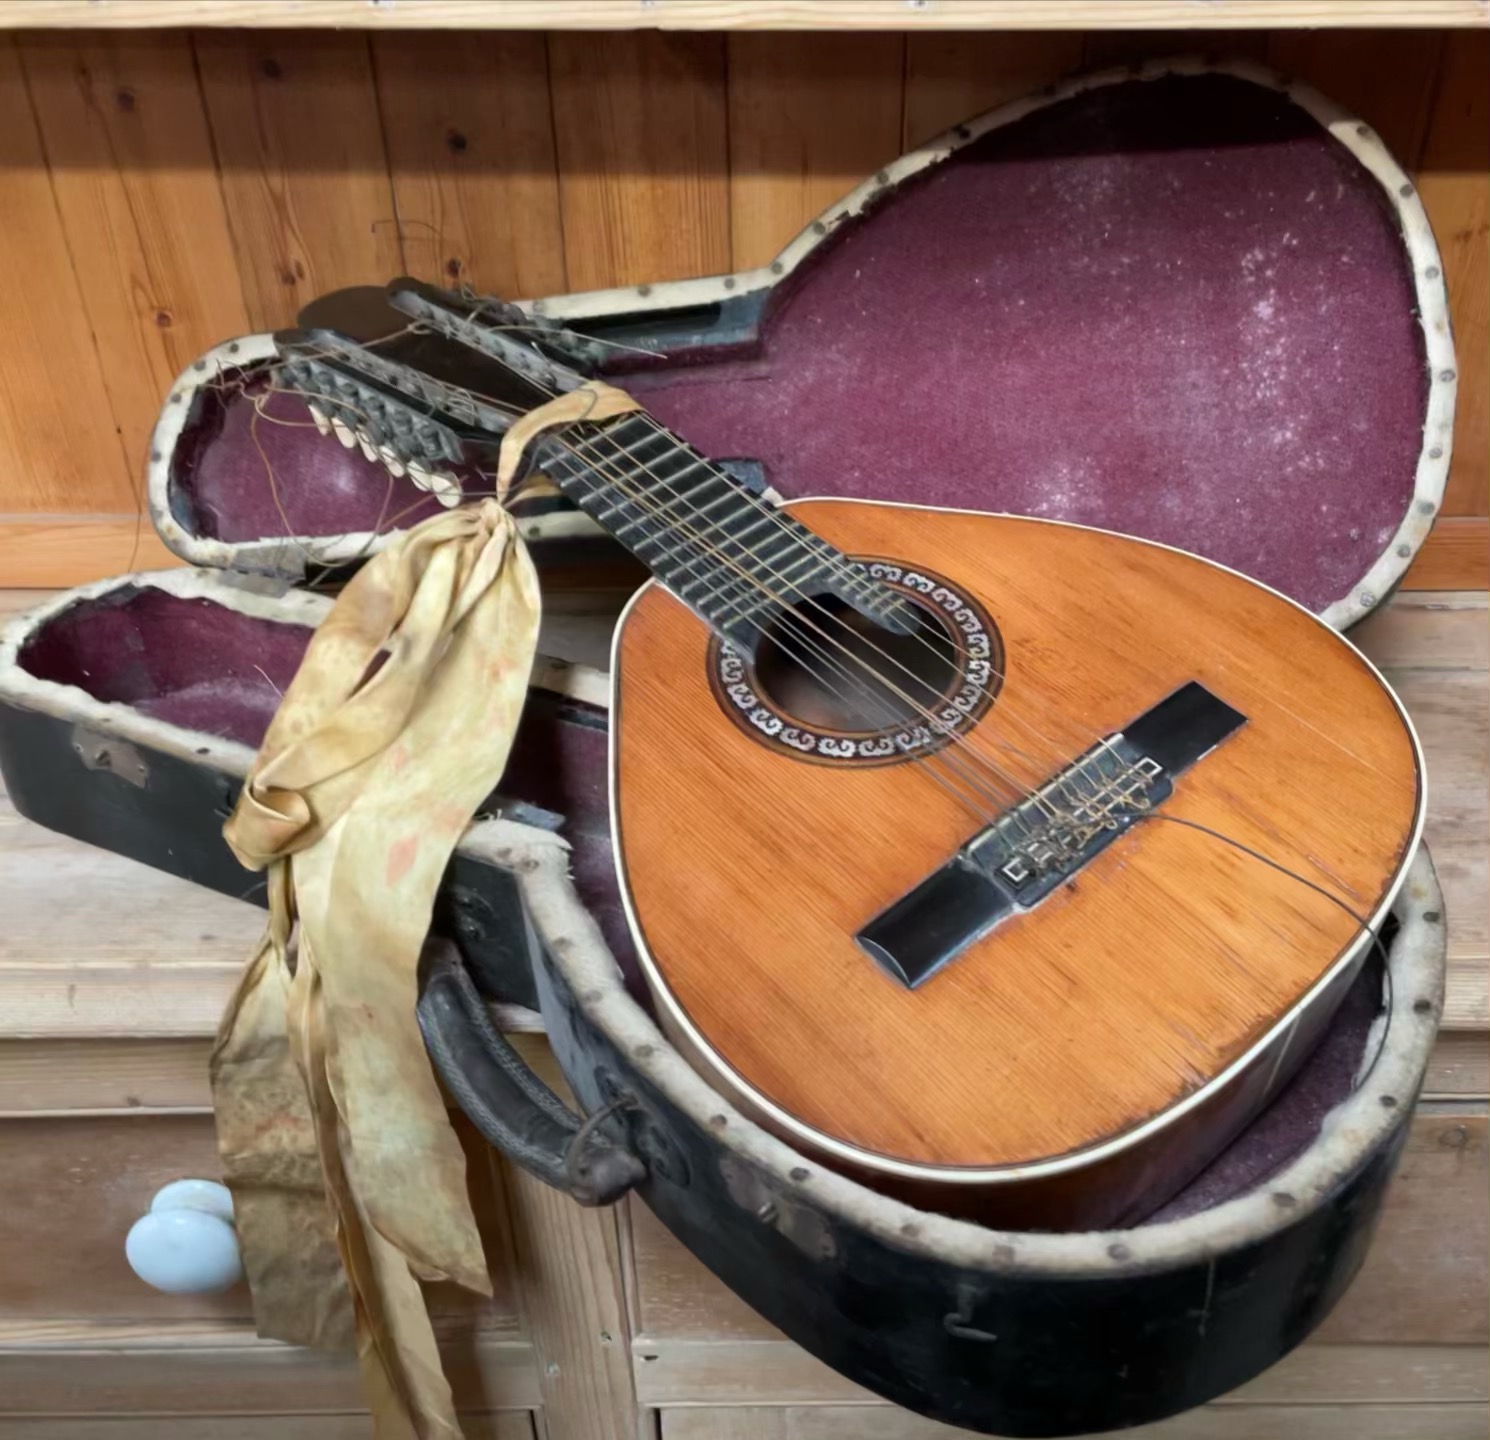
(1175, 307)
(200, 665)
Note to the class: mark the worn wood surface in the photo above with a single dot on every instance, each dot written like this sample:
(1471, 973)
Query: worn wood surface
(125, 132)
(1454, 181)
(569, 1275)
(71, 1188)
(1456, 556)
(511, 1425)
(950, 78)
(299, 160)
(56, 432)
(750, 14)
(83, 1367)
(471, 154)
(303, 169)
(640, 125)
(1459, 1067)
(703, 1372)
(1411, 1421)
(70, 549)
(809, 117)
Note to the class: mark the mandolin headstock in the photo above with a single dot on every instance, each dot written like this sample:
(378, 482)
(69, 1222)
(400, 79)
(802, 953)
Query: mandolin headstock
(426, 381)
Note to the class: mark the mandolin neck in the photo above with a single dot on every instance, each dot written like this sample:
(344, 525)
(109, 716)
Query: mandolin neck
(731, 556)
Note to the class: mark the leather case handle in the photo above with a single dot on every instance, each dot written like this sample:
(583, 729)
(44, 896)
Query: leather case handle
(505, 1100)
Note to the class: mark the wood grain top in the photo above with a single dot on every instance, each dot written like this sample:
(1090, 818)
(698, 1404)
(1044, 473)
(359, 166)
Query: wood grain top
(1168, 956)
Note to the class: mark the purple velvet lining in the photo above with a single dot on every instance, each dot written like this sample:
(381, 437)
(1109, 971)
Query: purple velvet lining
(188, 661)
(1175, 308)
(195, 663)
(227, 452)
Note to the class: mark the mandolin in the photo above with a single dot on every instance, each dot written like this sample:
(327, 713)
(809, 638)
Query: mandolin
(1006, 865)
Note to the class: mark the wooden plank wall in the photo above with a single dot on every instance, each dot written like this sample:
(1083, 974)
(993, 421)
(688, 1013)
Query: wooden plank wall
(164, 191)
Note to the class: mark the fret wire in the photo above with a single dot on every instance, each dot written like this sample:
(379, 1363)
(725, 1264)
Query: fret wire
(716, 531)
(812, 550)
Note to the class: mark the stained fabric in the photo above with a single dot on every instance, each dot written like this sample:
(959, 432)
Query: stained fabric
(348, 1182)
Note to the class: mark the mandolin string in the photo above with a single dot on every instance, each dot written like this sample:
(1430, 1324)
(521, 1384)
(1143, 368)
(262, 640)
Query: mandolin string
(600, 462)
(836, 564)
(1361, 921)
(947, 757)
(1363, 924)
(974, 805)
(605, 464)
(970, 780)
(842, 565)
(809, 601)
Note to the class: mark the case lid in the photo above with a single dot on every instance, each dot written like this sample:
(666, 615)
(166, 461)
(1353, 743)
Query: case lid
(1191, 302)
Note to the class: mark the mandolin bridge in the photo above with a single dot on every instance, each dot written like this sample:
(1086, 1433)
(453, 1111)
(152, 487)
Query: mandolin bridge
(1043, 841)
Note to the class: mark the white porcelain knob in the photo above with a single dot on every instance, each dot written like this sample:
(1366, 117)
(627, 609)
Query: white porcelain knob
(186, 1245)
(211, 1196)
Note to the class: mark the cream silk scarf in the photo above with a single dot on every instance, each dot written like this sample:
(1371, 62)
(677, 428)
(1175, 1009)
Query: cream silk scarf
(348, 1181)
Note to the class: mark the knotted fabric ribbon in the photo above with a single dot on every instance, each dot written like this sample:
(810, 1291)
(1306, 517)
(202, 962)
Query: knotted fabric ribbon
(348, 1182)
(592, 401)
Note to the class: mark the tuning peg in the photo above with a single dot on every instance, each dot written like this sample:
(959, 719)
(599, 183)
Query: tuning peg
(369, 450)
(447, 488)
(323, 425)
(394, 465)
(419, 475)
(344, 433)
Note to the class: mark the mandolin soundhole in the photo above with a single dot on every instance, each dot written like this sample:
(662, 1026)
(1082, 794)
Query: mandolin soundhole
(831, 668)
(830, 685)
